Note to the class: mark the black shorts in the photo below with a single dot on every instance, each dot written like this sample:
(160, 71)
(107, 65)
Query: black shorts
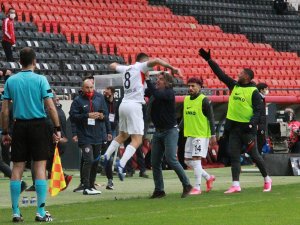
(30, 140)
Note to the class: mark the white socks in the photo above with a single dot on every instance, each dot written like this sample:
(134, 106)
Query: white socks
(267, 179)
(196, 165)
(205, 175)
(129, 152)
(235, 183)
(114, 145)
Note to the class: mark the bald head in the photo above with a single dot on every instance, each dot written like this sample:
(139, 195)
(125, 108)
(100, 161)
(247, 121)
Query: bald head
(87, 86)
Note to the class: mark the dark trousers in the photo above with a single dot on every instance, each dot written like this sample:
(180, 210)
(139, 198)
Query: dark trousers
(108, 169)
(7, 47)
(90, 165)
(237, 139)
(261, 140)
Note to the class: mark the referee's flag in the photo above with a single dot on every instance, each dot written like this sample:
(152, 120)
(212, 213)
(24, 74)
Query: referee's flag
(57, 181)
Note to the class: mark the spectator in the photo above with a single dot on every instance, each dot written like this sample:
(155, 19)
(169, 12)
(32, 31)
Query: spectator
(199, 128)
(30, 137)
(9, 38)
(294, 125)
(262, 123)
(131, 121)
(164, 141)
(243, 114)
(89, 113)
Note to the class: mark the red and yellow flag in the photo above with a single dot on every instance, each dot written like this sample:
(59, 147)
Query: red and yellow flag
(57, 181)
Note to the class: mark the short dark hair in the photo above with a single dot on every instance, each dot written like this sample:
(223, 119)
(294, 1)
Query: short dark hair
(261, 86)
(141, 56)
(249, 72)
(196, 80)
(111, 88)
(27, 56)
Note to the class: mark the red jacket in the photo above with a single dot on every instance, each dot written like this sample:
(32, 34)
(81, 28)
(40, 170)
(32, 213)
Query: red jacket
(294, 135)
(8, 30)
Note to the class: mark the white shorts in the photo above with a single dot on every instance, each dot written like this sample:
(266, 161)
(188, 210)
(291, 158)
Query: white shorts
(196, 147)
(131, 119)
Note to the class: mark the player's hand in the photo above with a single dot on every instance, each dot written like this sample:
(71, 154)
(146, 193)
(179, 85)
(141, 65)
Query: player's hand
(6, 139)
(205, 54)
(109, 137)
(14, 45)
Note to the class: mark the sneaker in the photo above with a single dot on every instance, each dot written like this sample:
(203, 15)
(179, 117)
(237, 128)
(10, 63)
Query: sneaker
(103, 161)
(233, 189)
(17, 218)
(158, 194)
(186, 191)
(195, 191)
(209, 183)
(68, 179)
(120, 170)
(144, 175)
(46, 218)
(31, 188)
(79, 189)
(23, 186)
(267, 186)
(110, 185)
(91, 191)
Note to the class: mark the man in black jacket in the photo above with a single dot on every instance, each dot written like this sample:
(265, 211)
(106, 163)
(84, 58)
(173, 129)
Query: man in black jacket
(244, 107)
(262, 123)
(165, 138)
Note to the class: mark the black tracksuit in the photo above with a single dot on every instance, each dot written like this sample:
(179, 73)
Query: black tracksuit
(240, 135)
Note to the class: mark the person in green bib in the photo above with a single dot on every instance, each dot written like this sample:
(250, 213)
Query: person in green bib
(244, 108)
(199, 128)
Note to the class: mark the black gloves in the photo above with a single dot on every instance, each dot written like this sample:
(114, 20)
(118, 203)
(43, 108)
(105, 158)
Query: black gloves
(204, 54)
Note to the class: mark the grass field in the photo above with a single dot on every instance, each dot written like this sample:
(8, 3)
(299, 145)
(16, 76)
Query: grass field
(128, 204)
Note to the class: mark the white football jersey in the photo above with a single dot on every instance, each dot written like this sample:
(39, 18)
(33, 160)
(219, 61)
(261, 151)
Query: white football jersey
(133, 77)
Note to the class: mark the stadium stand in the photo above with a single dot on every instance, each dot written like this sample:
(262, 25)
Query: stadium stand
(68, 35)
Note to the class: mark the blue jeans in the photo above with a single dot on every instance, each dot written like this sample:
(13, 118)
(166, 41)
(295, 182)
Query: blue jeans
(165, 143)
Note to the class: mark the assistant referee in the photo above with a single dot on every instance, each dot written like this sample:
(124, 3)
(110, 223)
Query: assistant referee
(29, 93)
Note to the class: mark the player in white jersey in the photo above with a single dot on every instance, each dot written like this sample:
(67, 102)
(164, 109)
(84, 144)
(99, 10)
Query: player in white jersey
(131, 122)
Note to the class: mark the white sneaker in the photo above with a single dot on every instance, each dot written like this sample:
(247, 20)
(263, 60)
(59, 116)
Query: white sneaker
(91, 191)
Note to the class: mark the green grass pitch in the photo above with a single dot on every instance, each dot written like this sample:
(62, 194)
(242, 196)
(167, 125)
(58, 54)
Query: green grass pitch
(129, 203)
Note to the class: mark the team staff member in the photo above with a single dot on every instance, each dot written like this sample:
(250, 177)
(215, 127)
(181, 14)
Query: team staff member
(164, 141)
(262, 123)
(9, 38)
(131, 122)
(244, 107)
(89, 113)
(30, 136)
(199, 128)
